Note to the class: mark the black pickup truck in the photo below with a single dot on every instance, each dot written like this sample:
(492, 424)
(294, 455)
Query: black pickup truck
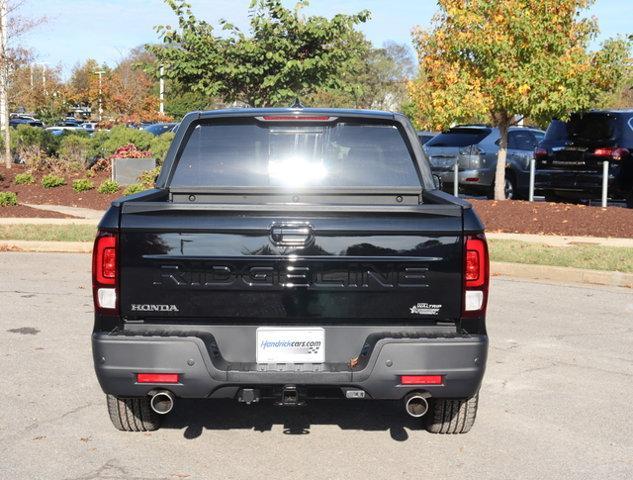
(291, 254)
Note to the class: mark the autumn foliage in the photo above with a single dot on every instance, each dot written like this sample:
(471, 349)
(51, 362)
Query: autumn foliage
(498, 60)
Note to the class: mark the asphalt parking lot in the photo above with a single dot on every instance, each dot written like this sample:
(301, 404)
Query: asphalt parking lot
(555, 404)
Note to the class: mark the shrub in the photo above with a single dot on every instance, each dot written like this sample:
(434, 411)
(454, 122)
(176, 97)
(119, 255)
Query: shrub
(52, 181)
(148, 177)
(25, 136)
(75, 148)
(134, 188)
(105, 143)
(160, 145)
(82, 185)
(8, 199)
(108, 186)
(25, 178)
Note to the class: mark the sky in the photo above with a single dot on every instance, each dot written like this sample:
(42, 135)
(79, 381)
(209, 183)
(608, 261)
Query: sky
(106, 30)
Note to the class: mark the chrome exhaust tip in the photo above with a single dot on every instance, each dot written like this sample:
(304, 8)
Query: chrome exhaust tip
(162, 402)
(416, 404)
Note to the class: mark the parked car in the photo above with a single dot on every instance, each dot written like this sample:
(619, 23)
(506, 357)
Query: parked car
(289, 254)
(474, 148)
(14, 121)
(58, 130)
(70, 122)
(159, 128)
(89, 127)
(570, 159)
(425, 136)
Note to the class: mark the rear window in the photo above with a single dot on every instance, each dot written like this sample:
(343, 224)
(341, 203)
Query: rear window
(556, 132)
(249, 153)
(592, 126)
(459, 137)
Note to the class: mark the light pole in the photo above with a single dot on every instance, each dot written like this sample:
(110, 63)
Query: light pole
(100, 73)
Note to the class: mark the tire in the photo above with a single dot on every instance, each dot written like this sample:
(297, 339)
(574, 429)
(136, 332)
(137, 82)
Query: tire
(132, 414)
(629, 200)
(449, 416)
(510, 188)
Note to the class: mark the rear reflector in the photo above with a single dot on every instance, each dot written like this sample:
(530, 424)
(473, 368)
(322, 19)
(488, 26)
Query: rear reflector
(157, 378)
(421, 380)
(472, 179)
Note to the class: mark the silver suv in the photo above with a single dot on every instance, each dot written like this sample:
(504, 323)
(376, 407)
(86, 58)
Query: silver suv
(474, 148)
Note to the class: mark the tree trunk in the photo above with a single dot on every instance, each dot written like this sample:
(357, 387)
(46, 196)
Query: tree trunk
(500, 172)
(4, 93)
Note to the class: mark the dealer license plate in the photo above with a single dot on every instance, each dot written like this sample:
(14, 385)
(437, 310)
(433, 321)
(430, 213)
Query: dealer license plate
(290, 345)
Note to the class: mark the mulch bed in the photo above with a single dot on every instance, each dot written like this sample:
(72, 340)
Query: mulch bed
(22, 211)
(505, 216)
(64, 195)
(555, 218)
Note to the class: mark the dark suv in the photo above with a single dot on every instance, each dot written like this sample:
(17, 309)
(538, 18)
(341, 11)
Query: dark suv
(570, 159)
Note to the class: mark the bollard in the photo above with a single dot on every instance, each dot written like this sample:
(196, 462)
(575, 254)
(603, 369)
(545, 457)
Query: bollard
(456, 180)
(605, 182)
(532, 174)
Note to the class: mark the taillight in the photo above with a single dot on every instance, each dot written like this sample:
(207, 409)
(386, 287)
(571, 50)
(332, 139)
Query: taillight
(296, 118)
(614, 153)
(540, 153)
(476, 275)
(105, 272)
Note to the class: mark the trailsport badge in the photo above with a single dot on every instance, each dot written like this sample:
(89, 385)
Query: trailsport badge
(425, 309)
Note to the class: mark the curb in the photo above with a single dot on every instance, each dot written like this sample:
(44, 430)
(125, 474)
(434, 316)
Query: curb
(562, 274)
(47, 221)
(45, 247)
(561, 240)
(518, 270)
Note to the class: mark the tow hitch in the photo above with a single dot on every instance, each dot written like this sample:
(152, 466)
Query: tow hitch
(290, 397)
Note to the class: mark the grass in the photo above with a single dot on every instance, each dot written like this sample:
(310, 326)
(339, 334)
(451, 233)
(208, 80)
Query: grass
(589, 257)
(56, 233)
(578, 256)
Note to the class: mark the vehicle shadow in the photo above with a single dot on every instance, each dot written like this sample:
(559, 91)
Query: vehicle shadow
(197, 415)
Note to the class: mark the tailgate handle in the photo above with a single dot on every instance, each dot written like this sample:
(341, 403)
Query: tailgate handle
(291, 235)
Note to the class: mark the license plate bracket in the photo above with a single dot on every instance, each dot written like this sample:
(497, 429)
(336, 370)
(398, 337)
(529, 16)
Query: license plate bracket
(290, 345)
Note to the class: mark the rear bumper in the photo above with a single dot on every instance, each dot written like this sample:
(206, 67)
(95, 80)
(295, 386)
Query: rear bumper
(203, 374)
(587, 183)
(480, 177)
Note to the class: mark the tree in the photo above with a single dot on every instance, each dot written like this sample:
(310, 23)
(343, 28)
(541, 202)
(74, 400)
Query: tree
(504, 59)
(379, 78)
(12, 26)
(83, 85)
(284, 55)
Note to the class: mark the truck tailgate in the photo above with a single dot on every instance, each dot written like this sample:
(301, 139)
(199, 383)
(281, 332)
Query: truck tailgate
(249, 266)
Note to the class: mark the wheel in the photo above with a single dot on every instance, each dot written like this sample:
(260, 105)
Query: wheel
(510, 187)
(132, 414)
(452, 416)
